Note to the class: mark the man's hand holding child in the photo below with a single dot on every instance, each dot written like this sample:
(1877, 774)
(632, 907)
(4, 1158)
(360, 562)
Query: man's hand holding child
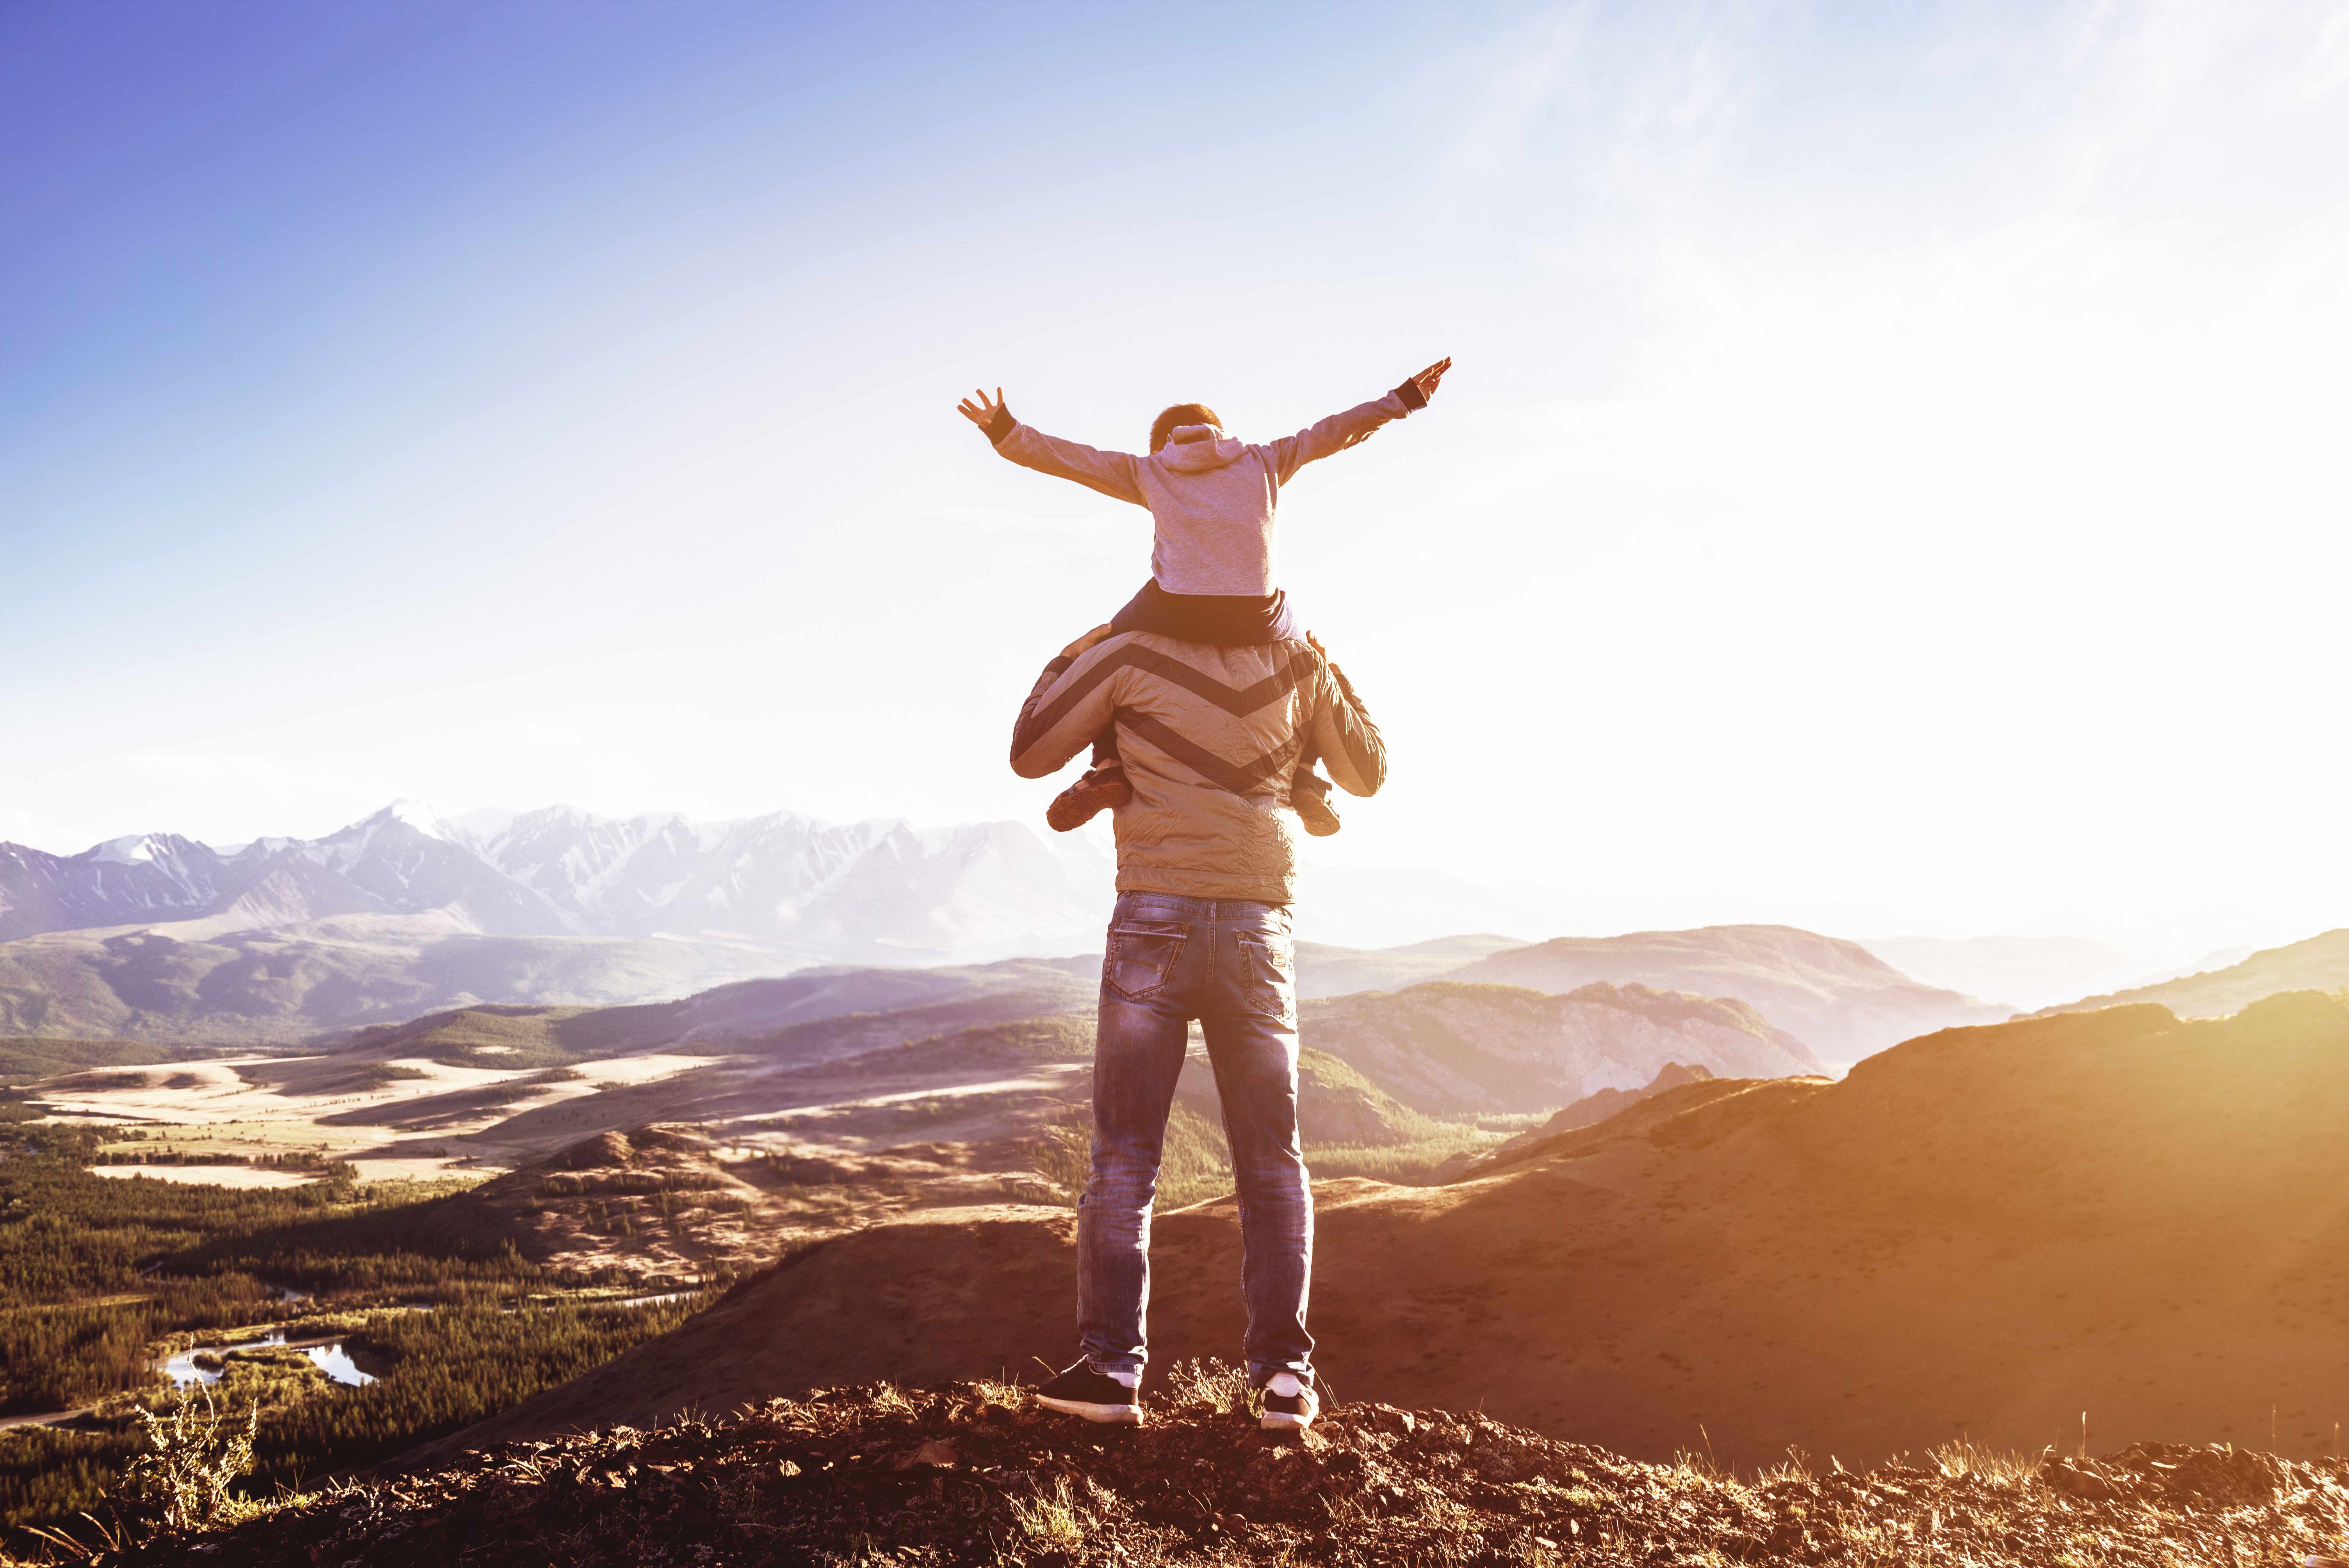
(1090, 640)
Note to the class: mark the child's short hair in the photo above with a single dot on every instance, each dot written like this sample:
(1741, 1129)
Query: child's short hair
(1174, 419)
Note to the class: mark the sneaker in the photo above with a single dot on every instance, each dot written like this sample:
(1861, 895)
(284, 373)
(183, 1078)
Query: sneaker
(1286, 1404)
(1101, 788)
(1309, 794)
(1095, 1396)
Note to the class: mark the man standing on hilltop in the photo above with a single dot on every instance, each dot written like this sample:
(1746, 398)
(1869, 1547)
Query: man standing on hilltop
(1207, 870)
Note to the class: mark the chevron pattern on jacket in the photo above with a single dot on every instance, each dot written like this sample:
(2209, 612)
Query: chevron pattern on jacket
(1210, 737)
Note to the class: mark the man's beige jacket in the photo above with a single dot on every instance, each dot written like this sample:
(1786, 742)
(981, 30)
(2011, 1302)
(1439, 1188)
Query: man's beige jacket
(1210, 738)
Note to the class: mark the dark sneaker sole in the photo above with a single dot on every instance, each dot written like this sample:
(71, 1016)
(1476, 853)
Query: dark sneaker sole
(1080, 803)
(1272, 1418)
(1105, 1414)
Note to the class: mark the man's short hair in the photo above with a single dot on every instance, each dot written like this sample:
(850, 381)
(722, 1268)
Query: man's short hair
(1177, 417)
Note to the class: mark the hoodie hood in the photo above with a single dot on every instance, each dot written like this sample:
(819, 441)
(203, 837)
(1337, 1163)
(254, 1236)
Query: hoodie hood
(1198, 449)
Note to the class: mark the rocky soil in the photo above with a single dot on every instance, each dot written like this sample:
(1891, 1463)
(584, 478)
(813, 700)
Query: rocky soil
(975, 1472)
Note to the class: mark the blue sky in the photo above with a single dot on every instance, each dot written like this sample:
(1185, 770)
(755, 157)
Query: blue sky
(1890, 461)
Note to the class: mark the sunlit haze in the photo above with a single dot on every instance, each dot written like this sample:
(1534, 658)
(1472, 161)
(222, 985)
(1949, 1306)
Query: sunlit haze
(1892, 479)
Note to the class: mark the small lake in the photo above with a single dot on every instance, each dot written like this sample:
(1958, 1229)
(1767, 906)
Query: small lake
(652, 1300)
(328, 1356)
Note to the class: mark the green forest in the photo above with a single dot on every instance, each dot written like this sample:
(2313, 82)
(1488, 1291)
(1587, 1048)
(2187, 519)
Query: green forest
(98, 1277)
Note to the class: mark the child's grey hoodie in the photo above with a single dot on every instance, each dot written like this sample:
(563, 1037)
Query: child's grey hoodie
(1211, 497)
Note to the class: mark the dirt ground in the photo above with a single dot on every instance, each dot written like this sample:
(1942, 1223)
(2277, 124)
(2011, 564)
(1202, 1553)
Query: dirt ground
(975, 1473)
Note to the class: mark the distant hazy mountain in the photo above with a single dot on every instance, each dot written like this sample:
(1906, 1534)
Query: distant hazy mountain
(1326, 971)
(1450, 1047)
(2023, 971)
(875, 890)
(1837, 997)
(2319, 964)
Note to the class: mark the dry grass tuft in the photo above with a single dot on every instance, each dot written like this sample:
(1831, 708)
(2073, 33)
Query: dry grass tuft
(1206, 1382)
(1052, 1518)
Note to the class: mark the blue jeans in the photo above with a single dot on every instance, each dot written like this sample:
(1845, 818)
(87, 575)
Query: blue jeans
(1230, 964)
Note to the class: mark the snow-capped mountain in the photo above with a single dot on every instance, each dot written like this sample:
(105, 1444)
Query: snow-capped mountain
(862, 891)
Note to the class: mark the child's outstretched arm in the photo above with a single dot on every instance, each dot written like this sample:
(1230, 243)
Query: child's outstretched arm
(1111, 473)
(1353, 427)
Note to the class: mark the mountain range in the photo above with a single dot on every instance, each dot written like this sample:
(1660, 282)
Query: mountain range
(284, 940)
(160, 937)
(787, 884)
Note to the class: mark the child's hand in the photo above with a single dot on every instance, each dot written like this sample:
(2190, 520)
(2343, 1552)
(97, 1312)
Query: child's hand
(982, 413)
(1090, 640)
(1426, 380)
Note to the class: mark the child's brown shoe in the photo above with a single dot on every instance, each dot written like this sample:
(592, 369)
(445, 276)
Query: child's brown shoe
(1101, 788)
(1308, 793)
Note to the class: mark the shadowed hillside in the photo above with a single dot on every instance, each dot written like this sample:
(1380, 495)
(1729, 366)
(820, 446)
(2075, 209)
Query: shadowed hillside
(1982, 1232)
(28, 1058)
(1835, 996)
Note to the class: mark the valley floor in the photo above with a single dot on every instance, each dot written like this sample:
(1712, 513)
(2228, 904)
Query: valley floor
(974, 1473)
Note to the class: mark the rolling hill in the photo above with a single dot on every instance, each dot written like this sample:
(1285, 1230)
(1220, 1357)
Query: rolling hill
(28, 1059)
(1323, 970)
(1982, 1232)
(1449, 1046)
(781, 1015)
(1590, 1112)
(2319, 964)
(177, 986)
(1837, 997)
